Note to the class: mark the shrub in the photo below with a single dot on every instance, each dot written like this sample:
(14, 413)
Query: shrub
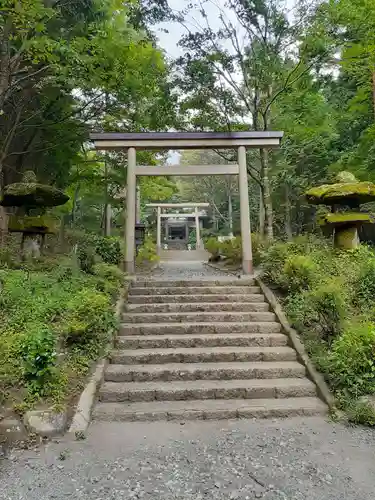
(273, 260)
(259, 244)
(364, 285)
(110, 278)
(361, 412)
(86, 258)
(87, 320)
(351, 364)
(192, 238)
(109, 249)
(6, 258)
(212, 246)
(232, 250)
(109, 272)
(147, 252)
(299, 272)
(38, 353)
(329, 301)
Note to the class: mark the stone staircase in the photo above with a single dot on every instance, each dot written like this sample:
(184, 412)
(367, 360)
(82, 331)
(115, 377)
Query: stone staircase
(202, 350)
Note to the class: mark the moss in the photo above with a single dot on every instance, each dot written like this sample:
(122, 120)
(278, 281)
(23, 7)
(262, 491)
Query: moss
(345, 176)
(41, 224)
(354, 193)
(32, 195)
(346, 218)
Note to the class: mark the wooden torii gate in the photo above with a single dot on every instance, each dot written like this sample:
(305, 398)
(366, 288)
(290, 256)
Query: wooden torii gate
(187, 140)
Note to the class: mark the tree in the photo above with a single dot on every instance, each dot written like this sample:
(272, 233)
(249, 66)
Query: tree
(234, 77)
(67, 67)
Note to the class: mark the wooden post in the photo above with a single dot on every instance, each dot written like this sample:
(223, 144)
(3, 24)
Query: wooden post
(247, 258)
(130, 212)
(197, 229)
(158, 231)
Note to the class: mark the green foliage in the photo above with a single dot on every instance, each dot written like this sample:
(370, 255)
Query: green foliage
(109, 249)
(40, 311)
(109, 272)
(147, 253)
(212, 246)
(37, 350)
(328, 297)
(232, 250)
(351, 363)
(361, 412)
(329, 302)
(192, 238)
(88, 319)
(86, 258)
(273, 262)
(299, 272)
(364, 285)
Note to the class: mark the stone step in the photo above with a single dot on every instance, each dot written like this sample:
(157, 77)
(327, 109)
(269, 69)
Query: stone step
(198, 307)
(204, 371)
(190, 290)
(206, 389)
(202, 355)
(204, 298)
(202, 340)
(199, 328)
(209, 409)
(195, 283)
(205, 317)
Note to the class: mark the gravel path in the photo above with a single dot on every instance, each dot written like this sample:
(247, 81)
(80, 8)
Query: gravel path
(295, 459)
(187, 270)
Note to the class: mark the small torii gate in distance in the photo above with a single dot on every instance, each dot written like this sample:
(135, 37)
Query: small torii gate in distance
(187, 140)
(160, 215)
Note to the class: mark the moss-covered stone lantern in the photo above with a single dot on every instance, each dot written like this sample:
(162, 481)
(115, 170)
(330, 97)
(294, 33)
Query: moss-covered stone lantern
(32, 199)
(344, 197)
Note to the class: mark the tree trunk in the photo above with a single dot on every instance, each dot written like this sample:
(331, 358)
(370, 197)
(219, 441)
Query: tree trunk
(287, 219)
(230, 214)
(261, 213)
(108, 220)
(267, 194)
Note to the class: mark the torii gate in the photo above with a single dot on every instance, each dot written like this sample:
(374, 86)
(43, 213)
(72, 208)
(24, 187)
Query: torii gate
(187, 140)
(160, 215)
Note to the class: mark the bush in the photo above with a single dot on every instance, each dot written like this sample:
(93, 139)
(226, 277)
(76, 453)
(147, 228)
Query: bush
(6, 258)
(329, 302)
(109, 272)
(109, 249)
(37, 350)
(361, 412)
(299, 272)
(87, 320)
(364, 285)
(232, 250)
(192, 239)
(273, 261)
(86, 258)
(259, 245)
(147, 252)
(351, 363)
(212, 246)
